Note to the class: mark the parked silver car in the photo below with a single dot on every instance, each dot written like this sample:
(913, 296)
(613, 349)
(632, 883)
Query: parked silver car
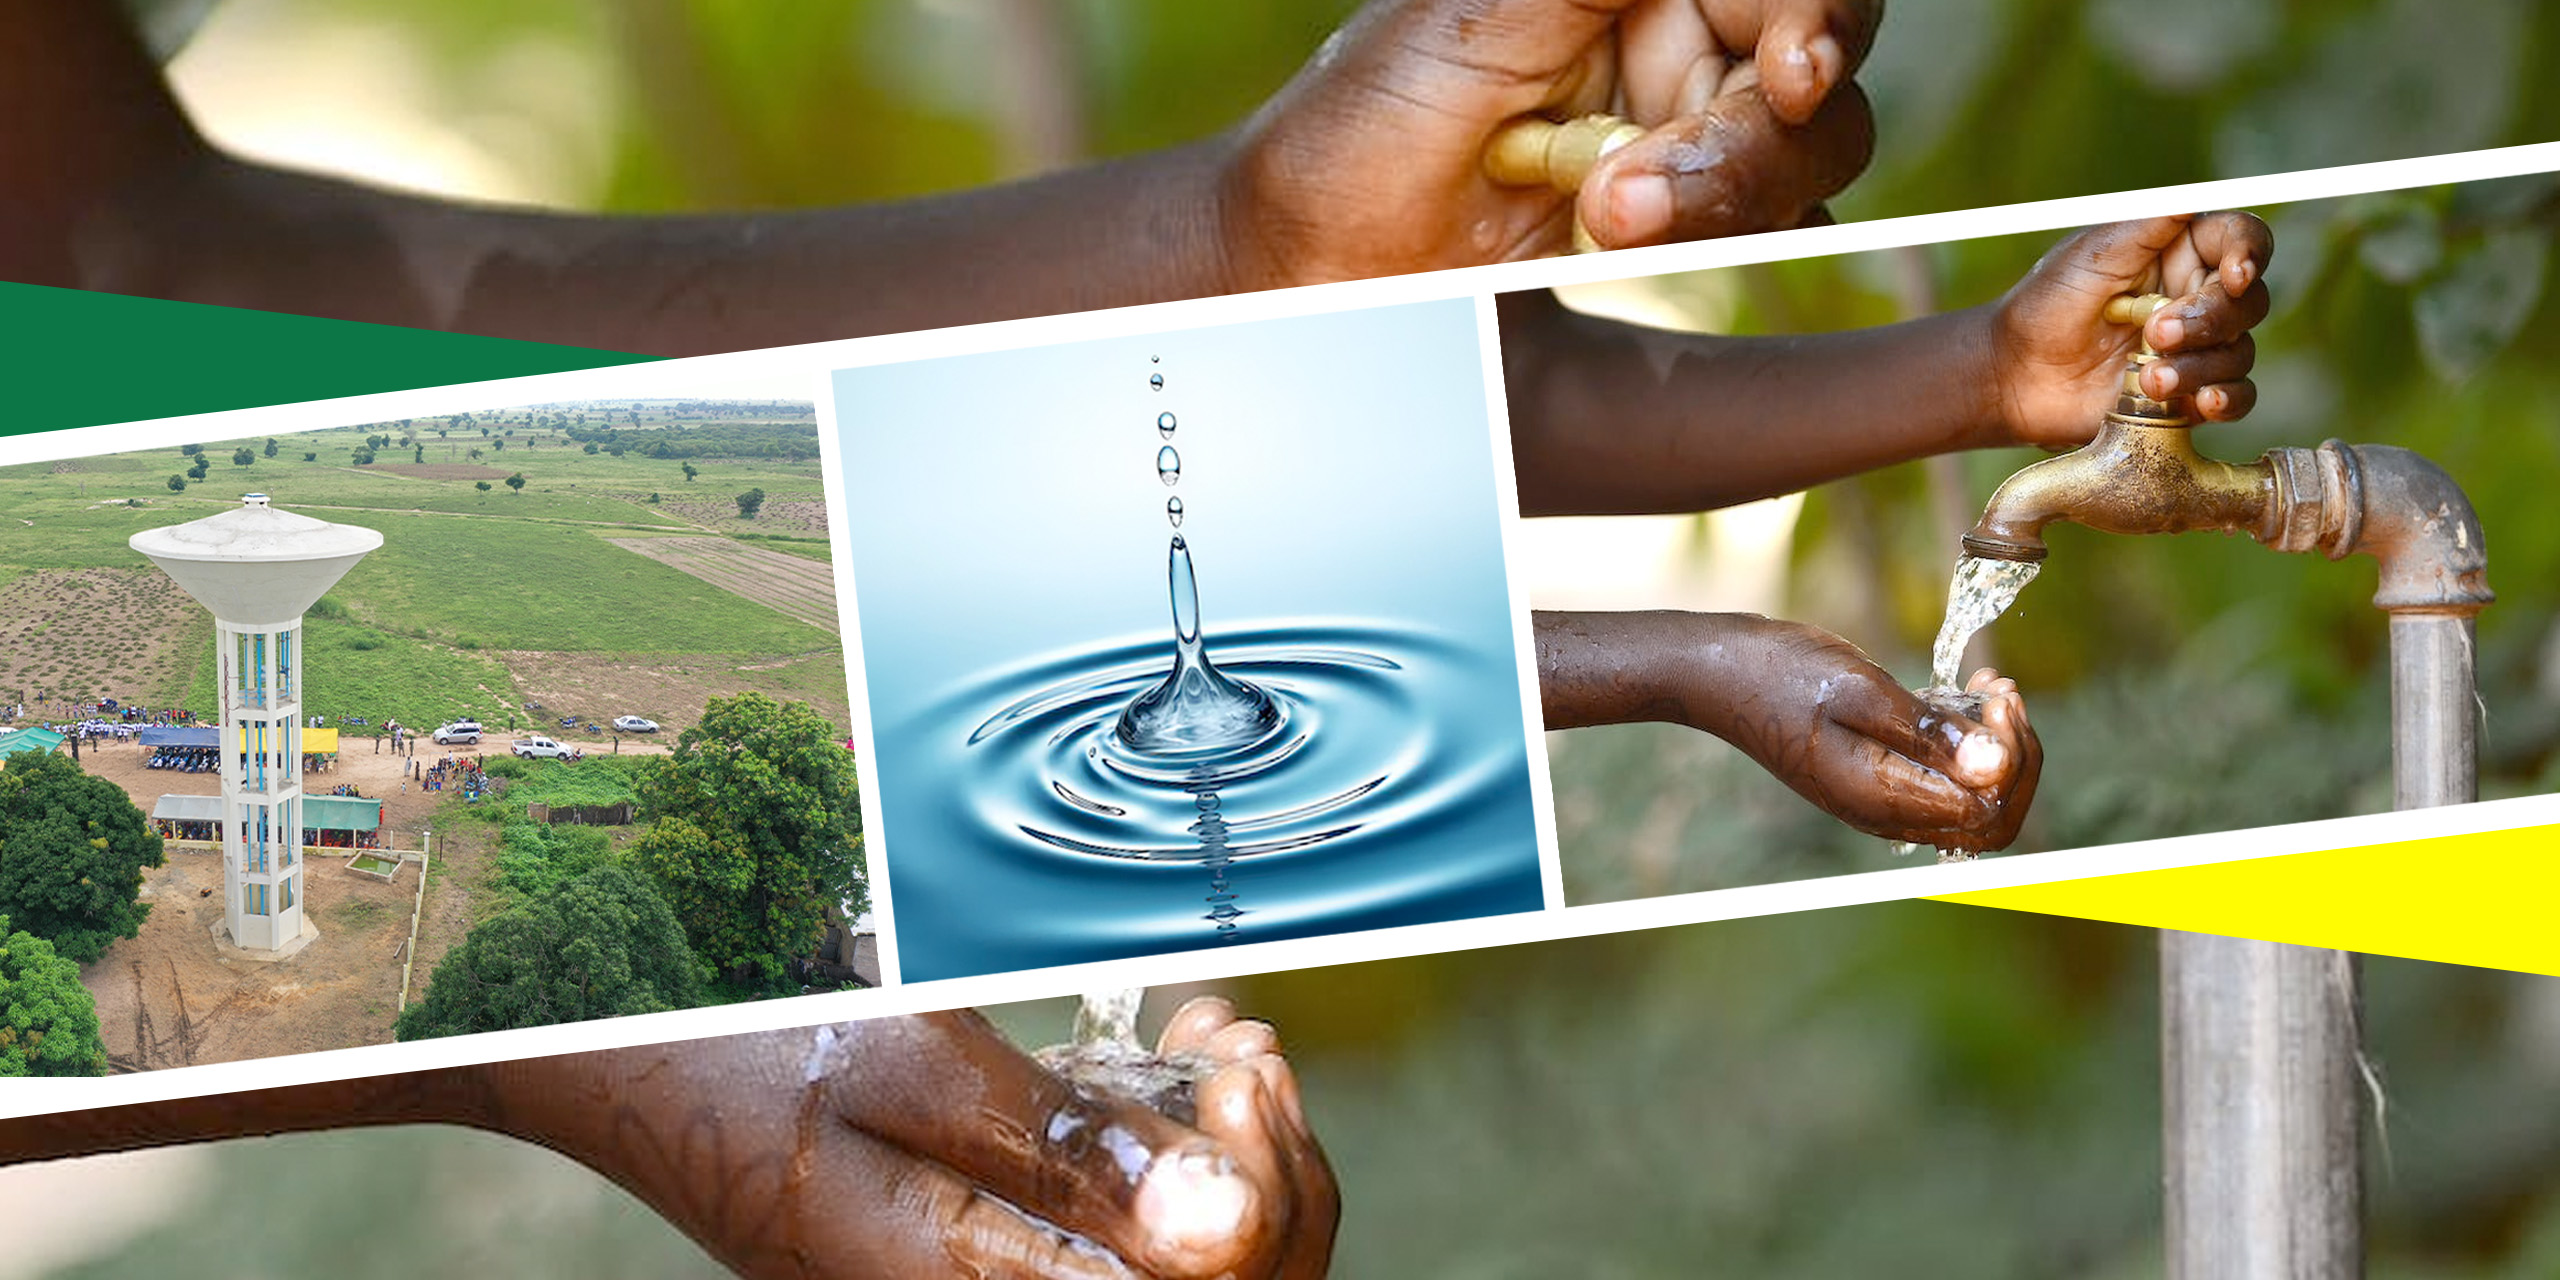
(635, 724)
(465, 731)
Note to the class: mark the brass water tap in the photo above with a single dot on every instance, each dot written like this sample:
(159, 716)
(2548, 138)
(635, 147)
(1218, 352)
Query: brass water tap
(1533, 151)
(2140, 474)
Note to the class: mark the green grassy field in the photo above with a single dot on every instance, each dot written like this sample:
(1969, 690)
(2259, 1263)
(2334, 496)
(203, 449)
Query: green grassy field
(419, 630)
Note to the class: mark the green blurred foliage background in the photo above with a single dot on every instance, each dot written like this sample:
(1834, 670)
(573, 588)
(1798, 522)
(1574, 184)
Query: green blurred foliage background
(1914, 1089)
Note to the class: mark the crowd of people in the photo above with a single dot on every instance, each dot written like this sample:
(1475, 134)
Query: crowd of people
(458, 773)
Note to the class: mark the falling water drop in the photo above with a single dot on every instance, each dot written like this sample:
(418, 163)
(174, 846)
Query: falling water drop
(1168, 465)
(1198, 710)
(1156, 380)
(1155, 359)
(1173, 511)
(1164, 425)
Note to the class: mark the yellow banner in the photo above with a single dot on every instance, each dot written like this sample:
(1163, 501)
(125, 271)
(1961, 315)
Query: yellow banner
(2484, 898)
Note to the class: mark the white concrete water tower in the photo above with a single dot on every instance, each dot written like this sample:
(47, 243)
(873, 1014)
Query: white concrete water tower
(258, 569)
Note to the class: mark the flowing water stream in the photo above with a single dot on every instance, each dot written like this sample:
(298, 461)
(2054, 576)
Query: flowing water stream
(1981, 591)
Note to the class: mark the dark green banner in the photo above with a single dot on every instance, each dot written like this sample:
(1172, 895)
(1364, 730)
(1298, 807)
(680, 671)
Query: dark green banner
(77, 359)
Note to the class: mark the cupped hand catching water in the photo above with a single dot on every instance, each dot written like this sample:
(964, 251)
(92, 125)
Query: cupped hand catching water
(1811, 709)
(930, 1146)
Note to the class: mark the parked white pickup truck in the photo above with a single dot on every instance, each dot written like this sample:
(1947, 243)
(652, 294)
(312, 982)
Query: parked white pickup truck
(537, 747)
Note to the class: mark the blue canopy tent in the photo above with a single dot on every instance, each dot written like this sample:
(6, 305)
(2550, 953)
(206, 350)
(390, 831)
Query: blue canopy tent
(172, 736)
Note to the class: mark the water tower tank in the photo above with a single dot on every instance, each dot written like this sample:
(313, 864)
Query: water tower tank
(254, 563)
(258, 569)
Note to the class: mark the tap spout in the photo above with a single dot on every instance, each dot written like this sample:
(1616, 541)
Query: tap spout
(2132, 477)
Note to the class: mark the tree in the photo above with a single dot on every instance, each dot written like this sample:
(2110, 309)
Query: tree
(243, 456)
(363, 457)
(311, 457)
(271, 446)
(48, 1022)
(755, 834)
(749, 503)
(600, 945)
(420, 455)
(177, 484)
(690, 471)
(72, 850)
(516, 482)
(200, 469)
(481, 485)
(190, 450)
(591, 446)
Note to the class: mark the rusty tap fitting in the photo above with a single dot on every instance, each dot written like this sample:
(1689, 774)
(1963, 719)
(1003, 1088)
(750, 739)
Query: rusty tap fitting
(2140, 474)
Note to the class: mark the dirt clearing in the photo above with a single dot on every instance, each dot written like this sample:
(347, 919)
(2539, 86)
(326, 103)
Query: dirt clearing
(670, 688)
(82, 634)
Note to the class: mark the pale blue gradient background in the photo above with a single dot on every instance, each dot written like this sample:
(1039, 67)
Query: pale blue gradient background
(1005, 506)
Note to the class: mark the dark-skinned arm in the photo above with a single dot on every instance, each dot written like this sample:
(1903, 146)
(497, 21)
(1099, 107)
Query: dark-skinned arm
(907, 1147)
(1367, 163)
(1610, 418)
(1808, 707)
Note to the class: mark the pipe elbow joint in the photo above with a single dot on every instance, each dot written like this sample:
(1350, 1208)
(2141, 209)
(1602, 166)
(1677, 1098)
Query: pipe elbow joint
(2396, 506)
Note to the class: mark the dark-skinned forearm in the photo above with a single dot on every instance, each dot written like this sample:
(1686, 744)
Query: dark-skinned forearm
(452, 1096)
(111, 189)
(209, 229)
(1635, 667)
(1609, 418)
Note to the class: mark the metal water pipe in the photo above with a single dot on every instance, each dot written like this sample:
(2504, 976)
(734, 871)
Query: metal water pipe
(2262, 1070)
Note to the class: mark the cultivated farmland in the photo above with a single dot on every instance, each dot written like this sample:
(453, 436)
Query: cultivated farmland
(617, 581)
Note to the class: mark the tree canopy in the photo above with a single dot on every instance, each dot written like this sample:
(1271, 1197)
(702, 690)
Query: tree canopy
(48, 1023)
(755, 834)
(601, 944)
(72, 850)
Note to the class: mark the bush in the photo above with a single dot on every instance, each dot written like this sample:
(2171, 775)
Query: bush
(48, 1023)
(601, 944)
(72, 850)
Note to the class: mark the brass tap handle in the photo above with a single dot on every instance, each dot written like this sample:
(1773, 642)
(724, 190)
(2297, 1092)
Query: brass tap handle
(1536, 152)
(2132, 402)
(2134, 308)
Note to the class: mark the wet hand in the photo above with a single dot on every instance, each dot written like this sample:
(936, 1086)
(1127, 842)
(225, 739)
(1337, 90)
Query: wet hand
(930, 1146)
(2055, 360)
(1371, 161)
(1844, 734)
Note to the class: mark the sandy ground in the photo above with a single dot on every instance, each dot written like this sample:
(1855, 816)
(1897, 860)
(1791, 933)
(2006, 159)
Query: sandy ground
(81, 633)
(673, 688)
(168, 997)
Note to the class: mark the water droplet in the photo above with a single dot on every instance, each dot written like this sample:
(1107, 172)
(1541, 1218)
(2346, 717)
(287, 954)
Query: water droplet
(1168, 465)
(1156, 380)
(1155, 359)
(1173, 511)
(1164, 425)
